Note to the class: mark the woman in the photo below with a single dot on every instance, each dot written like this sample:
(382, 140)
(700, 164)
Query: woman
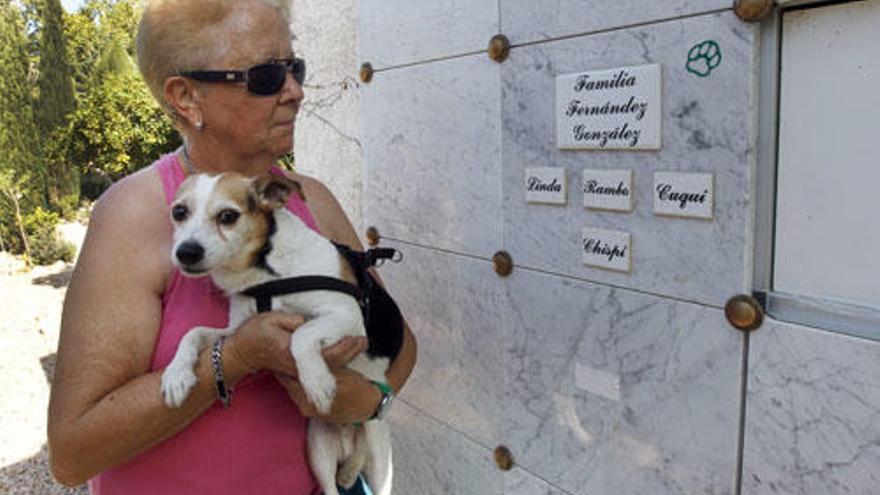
(127, 307)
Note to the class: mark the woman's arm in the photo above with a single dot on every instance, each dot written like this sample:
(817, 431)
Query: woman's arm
(106, 406)
(359, 398)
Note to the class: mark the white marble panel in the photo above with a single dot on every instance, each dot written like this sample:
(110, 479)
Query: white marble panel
(671, 425)
(395, 32)
(534, 20)
(454, 306)
(433, 459)
(519, 482)
(432, 142)
(706, 128)
(812, 413)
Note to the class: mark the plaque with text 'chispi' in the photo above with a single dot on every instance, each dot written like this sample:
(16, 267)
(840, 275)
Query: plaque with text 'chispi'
(614, 109)
(683, 195)
(608, 190)
(607, 249)
(545, 185)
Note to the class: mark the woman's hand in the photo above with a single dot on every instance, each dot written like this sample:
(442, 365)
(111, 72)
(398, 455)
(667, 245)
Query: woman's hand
(356, 398)
(263, 343)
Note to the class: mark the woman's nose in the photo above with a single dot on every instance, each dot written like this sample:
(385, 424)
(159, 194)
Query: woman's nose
(292, 90)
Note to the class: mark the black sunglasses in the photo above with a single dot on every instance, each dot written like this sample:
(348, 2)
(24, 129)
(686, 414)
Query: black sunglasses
(264, 79)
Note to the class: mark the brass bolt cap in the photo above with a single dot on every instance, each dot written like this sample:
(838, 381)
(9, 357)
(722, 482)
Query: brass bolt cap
(752, 10)
(744, 312)
(366, 72)
(502, 262)
(373, 236)
(499, 48)
(503, 458)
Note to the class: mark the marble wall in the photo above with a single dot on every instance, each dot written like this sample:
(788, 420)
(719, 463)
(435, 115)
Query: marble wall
(399, 32)
(812, 413)
(599, 382)
(702, 132)
(327, 137)
(526, 21)
(433, 163)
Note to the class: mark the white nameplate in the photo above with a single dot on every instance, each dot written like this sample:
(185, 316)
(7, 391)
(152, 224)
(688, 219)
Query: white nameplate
(545, 185)
(615, 109)
(608, 190)
(683, 195)
(606, 249)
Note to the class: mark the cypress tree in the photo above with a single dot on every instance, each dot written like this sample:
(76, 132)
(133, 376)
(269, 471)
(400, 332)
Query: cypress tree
(16, 118)
(54, 102)
(17, 130)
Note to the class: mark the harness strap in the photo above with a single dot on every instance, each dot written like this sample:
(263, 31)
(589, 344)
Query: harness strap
(264, 293)
(359, 262)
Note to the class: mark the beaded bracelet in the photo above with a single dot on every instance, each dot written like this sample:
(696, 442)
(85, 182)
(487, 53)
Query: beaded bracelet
(223, 393)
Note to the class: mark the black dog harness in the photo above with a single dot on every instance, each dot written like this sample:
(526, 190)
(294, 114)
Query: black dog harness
(382, 318)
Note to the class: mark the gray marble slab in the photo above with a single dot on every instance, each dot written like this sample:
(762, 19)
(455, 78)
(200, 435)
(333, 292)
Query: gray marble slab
(520, 482)
(533, 20)
(670, 424)
(395, 32)
(454, 306)
(433, 459)
(812, 413)
(706, 128)
(432, 137)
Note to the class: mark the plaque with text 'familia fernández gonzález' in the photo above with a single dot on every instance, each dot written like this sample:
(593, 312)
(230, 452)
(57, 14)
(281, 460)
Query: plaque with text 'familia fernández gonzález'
(614, 109)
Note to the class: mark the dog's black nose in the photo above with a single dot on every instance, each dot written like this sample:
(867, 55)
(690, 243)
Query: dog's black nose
(190, 253)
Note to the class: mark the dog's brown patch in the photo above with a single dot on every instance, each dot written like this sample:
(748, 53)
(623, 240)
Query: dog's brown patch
(271, 191)
(238, 189)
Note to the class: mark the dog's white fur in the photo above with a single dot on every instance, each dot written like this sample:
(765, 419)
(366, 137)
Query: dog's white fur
(297, 251)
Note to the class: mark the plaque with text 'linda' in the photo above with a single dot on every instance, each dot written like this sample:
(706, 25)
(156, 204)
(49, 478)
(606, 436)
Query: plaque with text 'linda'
(545, 185)
(614, 109)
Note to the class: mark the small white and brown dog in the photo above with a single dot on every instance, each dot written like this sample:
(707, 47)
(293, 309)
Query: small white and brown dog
(237, 230)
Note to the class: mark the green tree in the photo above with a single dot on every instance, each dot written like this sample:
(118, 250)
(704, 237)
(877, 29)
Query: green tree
(17, 131)
(55, 101)
(118, 127)
(83, 47)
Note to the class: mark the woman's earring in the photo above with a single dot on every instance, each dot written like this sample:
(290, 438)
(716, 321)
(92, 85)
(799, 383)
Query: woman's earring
(200, 125)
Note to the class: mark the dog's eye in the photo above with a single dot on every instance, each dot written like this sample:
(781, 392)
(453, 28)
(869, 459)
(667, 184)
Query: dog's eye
(179, 213)
(228, 217)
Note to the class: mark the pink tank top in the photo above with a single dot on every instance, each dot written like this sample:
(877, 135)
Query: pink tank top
(257, 446)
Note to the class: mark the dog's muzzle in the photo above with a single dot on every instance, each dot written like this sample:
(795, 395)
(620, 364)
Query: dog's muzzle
(190, 254)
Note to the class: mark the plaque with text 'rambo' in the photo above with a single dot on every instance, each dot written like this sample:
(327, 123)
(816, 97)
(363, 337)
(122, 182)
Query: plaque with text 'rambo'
(608, 190)
(614, 109)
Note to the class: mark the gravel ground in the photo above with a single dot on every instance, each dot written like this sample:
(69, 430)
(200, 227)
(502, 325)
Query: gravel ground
(30, 305)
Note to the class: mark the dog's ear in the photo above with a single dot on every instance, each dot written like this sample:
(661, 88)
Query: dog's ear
(271, 191)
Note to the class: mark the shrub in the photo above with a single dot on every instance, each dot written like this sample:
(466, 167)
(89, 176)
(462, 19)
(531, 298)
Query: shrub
(46, 244)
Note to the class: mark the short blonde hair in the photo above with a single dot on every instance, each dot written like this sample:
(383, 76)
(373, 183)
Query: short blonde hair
(178, 35)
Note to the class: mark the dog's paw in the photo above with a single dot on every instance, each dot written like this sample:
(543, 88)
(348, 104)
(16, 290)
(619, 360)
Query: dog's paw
(177, 381)
(320, 389)
(346, 477)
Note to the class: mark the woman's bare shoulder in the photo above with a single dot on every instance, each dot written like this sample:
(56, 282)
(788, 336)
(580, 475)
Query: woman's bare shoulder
(325, 208)
(137, 197)
(129, 226)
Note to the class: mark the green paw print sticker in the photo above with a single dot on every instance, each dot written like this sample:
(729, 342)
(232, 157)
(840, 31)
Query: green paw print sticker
(704, 58)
